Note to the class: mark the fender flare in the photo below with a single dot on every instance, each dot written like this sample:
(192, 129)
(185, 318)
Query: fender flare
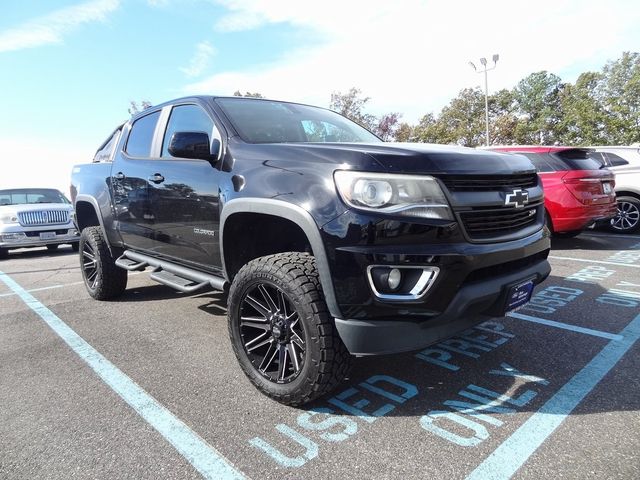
(94, 203)
(302, 219)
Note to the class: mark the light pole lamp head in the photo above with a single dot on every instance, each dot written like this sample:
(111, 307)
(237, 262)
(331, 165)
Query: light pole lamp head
(496, 57)
(483, 61)
(473, 65)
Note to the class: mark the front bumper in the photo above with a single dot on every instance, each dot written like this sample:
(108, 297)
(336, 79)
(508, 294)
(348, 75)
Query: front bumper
(17, 236)
(474, 303)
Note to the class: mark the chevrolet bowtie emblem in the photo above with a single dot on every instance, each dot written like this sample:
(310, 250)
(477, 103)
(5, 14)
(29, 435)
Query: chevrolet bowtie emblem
(518, 198)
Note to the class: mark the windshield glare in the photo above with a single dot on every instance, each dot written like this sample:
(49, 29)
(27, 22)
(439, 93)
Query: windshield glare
(24, 196)
(264, 121)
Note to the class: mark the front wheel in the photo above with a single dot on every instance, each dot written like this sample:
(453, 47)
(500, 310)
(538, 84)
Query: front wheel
(101, 276)
(281, 331)
(627, 219)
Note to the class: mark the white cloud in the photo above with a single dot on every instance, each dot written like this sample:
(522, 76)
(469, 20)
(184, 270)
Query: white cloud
(46, 163)
(412, 56)
(51, 28)
(200, 60)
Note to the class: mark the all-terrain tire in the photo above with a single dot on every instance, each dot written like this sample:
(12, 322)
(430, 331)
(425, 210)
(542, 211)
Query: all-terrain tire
(103, 279)
(325, 362)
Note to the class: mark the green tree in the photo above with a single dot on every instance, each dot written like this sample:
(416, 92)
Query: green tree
(238, 93)
(134, 108)
(539, 108)
(584, 118)
(351, 105)
(619, 92)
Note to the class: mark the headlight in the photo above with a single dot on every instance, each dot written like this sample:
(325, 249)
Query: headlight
(405, 195)
(8, 217)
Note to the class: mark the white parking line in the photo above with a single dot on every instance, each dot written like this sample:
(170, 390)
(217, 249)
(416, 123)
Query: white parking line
(507, 459)
(601, 262)
(204, 458)
(566, 326)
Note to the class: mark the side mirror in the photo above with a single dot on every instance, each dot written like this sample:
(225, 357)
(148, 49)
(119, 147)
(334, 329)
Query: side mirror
(194, 145)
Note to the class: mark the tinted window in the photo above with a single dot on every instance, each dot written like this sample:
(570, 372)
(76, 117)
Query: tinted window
(599, 157)
(615, 160)
(577, 159)
(21, 196)
(141, 136)
(105, 152)
(539, 161)
(264, 121)
(186, 118)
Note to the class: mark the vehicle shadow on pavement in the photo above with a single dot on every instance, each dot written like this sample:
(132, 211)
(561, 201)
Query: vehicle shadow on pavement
(586, 243)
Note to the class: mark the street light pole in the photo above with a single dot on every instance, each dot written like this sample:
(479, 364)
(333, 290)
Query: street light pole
(483, 62)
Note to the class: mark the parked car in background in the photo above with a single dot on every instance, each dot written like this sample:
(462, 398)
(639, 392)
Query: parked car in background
(578, 190)
(614, 154)
(627, 219)
(35, 217)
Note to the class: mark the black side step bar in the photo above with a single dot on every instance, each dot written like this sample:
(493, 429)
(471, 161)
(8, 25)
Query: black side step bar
(181, 278)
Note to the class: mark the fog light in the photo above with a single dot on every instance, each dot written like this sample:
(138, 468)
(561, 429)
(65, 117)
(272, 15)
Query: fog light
(394, 278)
(13, 237)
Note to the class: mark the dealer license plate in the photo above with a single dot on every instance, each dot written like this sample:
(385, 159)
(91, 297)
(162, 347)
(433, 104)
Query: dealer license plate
(47, 235)
(519, 295)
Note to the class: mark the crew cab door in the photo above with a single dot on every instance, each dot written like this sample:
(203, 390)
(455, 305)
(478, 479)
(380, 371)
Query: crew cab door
(184, 193)
(129, 178)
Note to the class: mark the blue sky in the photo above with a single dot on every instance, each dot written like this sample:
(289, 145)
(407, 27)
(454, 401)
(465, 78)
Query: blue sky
(68, 68)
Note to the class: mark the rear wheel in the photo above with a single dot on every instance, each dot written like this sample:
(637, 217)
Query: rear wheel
(627, 219)
(75, 246)
(281, 331)
(101, 276)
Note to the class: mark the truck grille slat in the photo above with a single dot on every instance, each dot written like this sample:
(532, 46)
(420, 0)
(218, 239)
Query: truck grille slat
(43, 217)
(481, 224)
(483, 183)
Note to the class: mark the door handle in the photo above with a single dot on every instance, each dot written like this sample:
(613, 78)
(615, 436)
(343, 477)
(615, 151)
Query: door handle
(119, 176)
(156, 178)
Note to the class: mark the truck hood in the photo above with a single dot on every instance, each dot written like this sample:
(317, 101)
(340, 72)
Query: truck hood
(419, 158)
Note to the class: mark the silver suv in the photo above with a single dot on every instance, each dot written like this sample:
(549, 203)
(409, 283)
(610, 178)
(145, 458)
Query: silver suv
(35, 217)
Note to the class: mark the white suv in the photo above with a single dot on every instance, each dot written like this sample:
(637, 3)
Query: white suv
(35, 217)
(628, 197)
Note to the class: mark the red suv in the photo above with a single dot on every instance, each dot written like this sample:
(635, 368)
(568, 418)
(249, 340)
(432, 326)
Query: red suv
(578, 191)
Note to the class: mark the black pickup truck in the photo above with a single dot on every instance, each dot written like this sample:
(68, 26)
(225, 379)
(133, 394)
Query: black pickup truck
(330, 242)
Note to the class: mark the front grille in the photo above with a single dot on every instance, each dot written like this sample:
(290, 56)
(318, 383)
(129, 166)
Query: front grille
(484, 183)
(490, 223)
(43, 217)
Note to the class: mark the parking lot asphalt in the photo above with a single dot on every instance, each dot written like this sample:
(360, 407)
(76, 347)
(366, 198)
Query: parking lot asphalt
(147, 386)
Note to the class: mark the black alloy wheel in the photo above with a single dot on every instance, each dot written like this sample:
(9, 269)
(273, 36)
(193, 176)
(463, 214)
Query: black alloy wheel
(627, 219)
(89, 265)
(281, 331)
(102, 278)
(272, 334)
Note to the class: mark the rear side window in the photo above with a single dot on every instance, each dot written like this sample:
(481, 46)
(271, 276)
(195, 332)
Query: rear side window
(615, 160)
(600, 157)
(577, 159)
(141, 135)
(539, 161)
(105, 152)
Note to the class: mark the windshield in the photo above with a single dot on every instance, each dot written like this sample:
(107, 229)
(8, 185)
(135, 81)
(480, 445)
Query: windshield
(264, 121)
(22, 196)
